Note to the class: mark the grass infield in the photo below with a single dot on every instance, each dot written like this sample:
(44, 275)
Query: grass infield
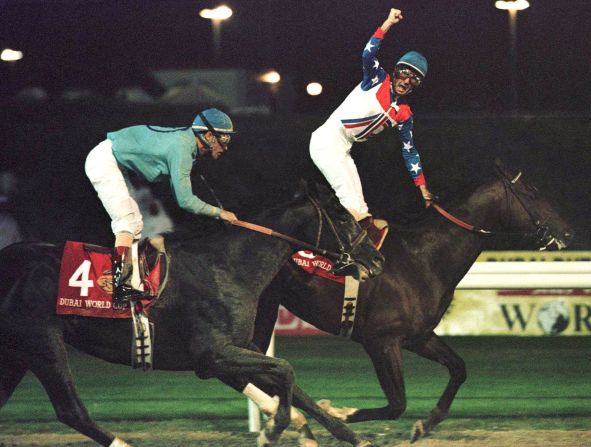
(513, 383)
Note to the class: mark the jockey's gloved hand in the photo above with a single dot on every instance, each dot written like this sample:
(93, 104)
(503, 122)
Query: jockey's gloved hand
(228, 216)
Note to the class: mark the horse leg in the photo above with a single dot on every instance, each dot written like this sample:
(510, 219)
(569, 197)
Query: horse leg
(334, 425)
(267, 311)
(12, 371)
(304, 402)
(234, 363)
(435, 349)
(386, 356)
(268, 405)
(50, 365)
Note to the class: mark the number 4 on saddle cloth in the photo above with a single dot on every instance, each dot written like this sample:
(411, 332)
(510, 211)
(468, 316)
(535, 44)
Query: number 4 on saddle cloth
(86, 284)
(377, 230)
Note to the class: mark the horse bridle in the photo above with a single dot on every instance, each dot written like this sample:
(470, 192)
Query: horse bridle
(542, 234)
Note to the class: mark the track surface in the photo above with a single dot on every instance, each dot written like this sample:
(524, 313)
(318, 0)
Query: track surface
(520, 391)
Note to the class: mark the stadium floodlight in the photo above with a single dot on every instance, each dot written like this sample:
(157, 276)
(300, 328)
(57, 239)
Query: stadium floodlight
(314, 88)
(220, 13)
(9, 55)
(217, 16)
(270, 77)
(512, 5)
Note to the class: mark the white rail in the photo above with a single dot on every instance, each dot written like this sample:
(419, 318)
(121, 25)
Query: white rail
(527, 275)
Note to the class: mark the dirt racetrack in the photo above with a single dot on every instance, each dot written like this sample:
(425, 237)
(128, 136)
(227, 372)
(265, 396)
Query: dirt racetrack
(443, 438)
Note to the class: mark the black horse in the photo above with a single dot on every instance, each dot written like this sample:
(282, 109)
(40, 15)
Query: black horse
(206, 324)
(401, 308)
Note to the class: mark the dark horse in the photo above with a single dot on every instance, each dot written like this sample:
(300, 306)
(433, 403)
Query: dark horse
(205, 325)
(401, 308)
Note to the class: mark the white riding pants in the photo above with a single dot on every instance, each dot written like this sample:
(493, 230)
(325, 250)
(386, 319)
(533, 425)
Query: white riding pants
(331, 153)
(108, 181)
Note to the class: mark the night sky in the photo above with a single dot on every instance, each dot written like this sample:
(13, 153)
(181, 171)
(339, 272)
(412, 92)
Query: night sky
(104, 45)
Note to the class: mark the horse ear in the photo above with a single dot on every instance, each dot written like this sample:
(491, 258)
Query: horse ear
(302, 189)
(304, 185)
(501, 167)
(507, 172)
(499, 164)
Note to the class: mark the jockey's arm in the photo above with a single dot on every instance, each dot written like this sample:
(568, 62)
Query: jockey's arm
(372, 70)
(180, 182)
(412, 160)
(410, 154)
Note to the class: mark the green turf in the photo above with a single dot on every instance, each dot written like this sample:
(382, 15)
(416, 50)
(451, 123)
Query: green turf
(512, 381)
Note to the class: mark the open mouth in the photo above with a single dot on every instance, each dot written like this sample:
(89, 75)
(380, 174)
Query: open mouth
(402, 88)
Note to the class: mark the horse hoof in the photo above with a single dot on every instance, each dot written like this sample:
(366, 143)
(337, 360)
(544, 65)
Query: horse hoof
(119, 443)
(308, 443)
(262, 440)
(306, 438)
(339, 413)
(418, 431)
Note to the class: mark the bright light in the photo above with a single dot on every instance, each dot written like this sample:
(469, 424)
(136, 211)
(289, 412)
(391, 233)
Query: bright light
(270, 77)
(512, 5)
(9, 55)
(220, 13)
(314, 88)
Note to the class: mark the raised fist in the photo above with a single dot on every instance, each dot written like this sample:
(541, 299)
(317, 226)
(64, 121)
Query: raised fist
(395, 16)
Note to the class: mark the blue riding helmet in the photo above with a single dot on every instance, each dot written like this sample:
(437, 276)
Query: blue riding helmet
(416, 61)
(214, 119)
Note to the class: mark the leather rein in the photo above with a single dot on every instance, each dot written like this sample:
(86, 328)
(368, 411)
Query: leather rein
(342, 256)
(540, 234)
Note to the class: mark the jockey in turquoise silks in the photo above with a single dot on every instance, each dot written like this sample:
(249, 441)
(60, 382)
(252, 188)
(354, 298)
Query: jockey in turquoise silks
(155, 153)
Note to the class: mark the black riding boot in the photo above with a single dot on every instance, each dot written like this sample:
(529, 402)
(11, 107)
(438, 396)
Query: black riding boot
(122, 268)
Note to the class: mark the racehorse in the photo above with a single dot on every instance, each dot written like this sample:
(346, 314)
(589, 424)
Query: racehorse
(205, 325)
(401, 308)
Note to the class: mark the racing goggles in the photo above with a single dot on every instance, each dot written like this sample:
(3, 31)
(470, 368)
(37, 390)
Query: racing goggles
(223, 138)
(406, 73)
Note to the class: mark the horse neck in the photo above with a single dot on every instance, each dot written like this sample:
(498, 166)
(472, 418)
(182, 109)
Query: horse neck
(270, 253)
(457, 246)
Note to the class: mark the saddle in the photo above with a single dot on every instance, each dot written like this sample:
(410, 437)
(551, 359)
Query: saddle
(377, 230)
(85, 281)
